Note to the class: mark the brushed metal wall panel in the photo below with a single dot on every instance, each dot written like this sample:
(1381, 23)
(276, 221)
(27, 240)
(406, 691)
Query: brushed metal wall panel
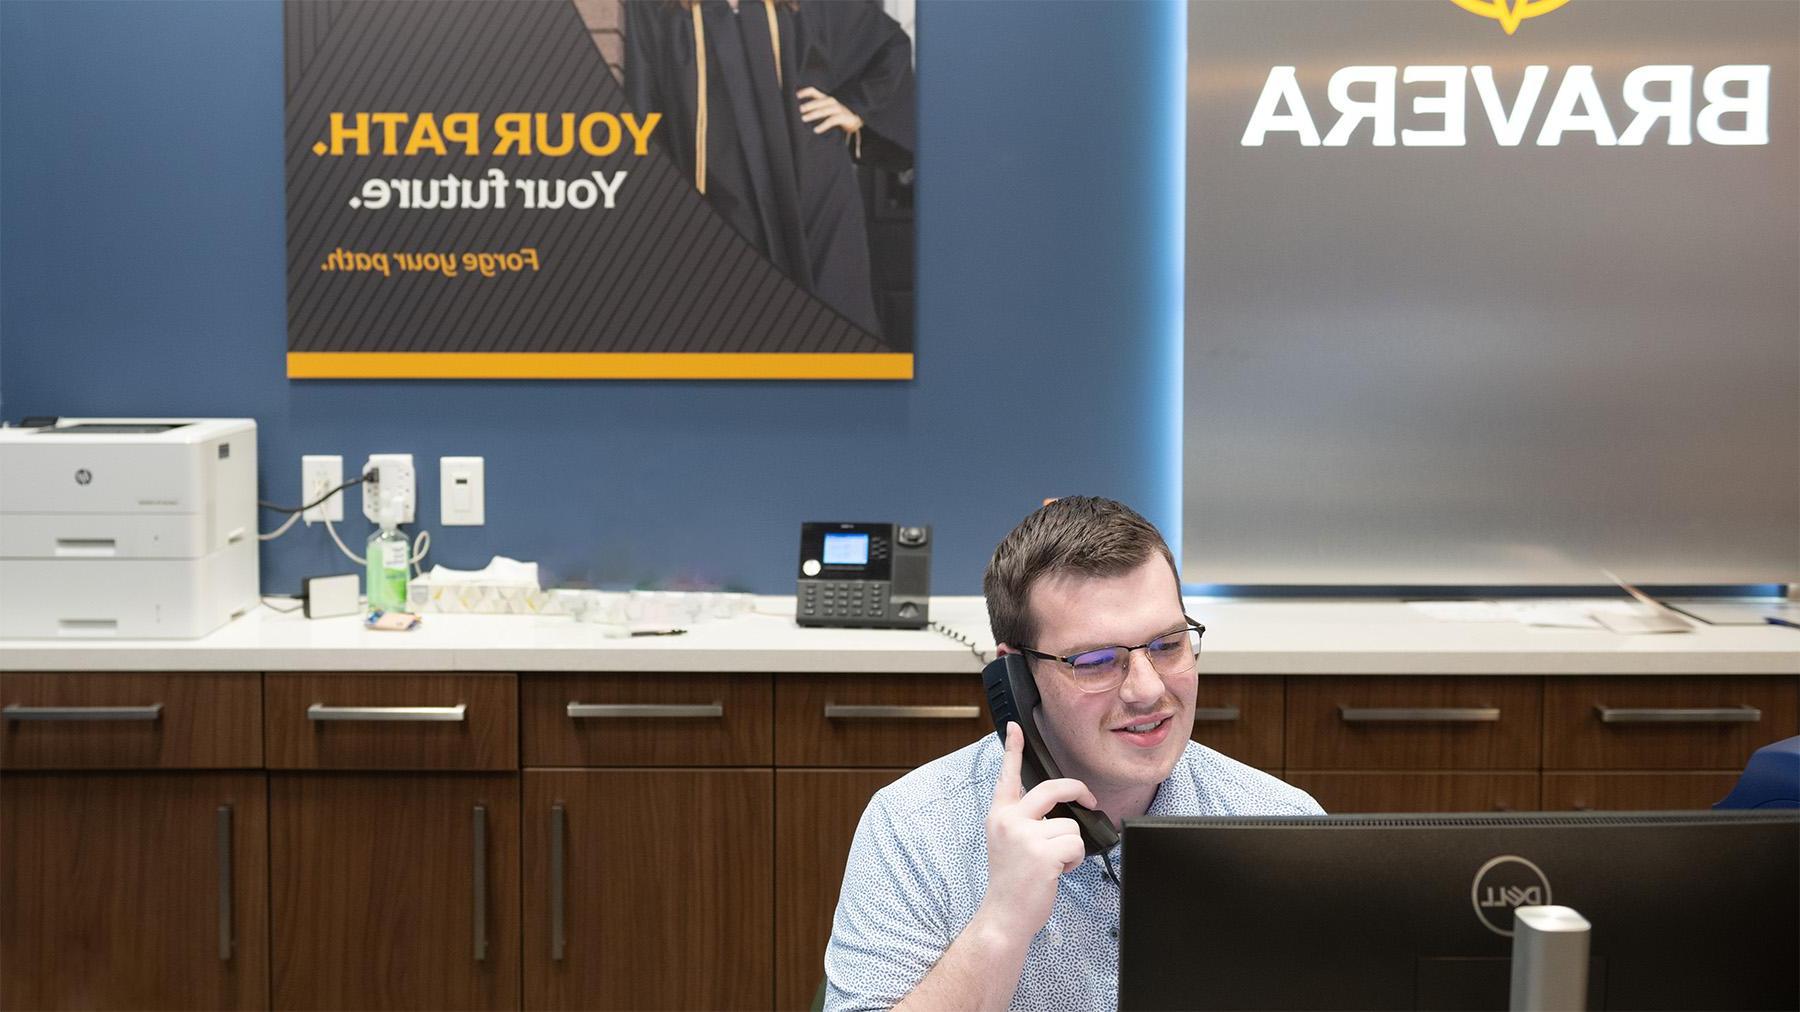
(1489, 364)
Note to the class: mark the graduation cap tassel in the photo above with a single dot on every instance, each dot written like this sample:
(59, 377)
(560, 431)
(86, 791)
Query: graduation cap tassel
(774, 38)
(700, 112)
(700, 83)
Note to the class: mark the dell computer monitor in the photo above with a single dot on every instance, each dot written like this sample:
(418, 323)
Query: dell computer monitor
(1689, 910)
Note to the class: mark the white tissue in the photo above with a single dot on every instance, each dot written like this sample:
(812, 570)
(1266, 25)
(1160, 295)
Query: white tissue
(499, 572)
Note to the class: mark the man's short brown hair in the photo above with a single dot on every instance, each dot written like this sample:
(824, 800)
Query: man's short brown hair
(1079, 534)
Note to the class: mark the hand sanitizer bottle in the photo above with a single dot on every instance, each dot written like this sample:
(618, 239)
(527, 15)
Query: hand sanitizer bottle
(388, 558)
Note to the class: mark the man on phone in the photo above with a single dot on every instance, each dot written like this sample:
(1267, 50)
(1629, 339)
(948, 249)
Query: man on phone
(960, 892)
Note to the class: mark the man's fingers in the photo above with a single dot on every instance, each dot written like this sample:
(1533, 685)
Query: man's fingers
(1061, 827)
(1052, 792)
(1071, 851)
(1008, 788)
(809, 92)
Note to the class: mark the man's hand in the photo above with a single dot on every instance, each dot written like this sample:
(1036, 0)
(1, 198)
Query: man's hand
(826, 113)
(1028, 853)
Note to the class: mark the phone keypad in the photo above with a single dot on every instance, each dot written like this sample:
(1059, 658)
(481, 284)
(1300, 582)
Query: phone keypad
(844, 599)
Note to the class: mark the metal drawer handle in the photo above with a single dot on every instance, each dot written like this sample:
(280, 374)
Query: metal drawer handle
(225, 917)
(1217, 713)
(558, 943)
(581, 711)
(842, 711)
(1679, 715)
(481, 940)
(14, 711)
(453, 714)
(1419, 714)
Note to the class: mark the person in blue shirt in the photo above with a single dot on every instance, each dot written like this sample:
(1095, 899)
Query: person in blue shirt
(959, 892)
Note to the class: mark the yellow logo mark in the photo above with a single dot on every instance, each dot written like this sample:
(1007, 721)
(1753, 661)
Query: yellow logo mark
(1509, 17)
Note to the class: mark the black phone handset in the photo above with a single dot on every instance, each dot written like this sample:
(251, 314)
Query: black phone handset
(1012, 695)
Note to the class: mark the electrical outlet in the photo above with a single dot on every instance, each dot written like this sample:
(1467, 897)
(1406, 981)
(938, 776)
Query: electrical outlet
(319, 474)
(396, 472)
(463, 491)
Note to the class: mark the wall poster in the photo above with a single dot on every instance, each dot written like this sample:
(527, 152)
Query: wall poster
(600, 189)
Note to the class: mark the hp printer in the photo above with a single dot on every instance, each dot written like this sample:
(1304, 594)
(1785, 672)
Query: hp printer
(127, 527)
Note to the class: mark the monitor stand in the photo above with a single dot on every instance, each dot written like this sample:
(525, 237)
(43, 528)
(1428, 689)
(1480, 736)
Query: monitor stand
(1549, 960)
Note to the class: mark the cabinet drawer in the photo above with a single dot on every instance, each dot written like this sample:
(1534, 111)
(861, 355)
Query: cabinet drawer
(1635, 792)
(1692, 723)
(1241, 717)
(62, 720)
(876, 720)
(1447, 723)
(1342, 793)
(391, 722)
(646, 720)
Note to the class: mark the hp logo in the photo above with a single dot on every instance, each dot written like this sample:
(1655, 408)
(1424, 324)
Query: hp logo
(83, 476)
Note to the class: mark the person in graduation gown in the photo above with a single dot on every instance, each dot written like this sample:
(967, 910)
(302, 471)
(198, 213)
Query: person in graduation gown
(767, 105)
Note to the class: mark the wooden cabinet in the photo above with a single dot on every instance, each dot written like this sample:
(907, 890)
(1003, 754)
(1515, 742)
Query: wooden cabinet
(1653, 744)
(638, 720)
(674, 840)
(1243, 717)
(1636, 792)
(123, 889)
(1448, 723)
(1415, 744)
(874, 720)
(880, 727)
(392, 722)
(1420, 792)
(394, 891)
(816, 812)
(649, 889)
(133, 891)
(195, 720)
(1664, 723)
(390, 889)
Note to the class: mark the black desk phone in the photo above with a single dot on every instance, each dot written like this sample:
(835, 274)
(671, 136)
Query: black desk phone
(871, 576)
(1012, 695)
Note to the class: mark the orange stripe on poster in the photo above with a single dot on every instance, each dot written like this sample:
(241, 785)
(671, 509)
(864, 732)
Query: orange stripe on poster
(593, 365)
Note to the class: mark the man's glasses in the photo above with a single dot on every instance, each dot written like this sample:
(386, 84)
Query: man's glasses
(1103, 668)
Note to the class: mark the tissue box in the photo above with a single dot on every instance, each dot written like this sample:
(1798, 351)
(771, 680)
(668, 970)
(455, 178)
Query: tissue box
(479, 599)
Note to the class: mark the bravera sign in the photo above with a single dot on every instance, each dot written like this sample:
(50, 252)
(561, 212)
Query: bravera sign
(1732, 108)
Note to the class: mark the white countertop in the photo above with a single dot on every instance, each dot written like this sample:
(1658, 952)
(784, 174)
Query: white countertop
(1243, 637)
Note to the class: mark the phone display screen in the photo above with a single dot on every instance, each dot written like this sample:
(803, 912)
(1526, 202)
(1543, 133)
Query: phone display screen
(846, 550)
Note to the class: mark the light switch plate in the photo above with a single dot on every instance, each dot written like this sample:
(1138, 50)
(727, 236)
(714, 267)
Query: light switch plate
(462, 491)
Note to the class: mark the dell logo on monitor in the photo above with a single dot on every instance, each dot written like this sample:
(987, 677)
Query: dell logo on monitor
(1503, 883)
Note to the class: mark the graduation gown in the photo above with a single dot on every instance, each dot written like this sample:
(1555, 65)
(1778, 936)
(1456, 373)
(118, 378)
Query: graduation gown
(789, 192)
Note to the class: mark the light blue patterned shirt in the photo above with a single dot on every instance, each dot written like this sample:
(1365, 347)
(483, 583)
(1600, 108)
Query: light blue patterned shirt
(918, 870)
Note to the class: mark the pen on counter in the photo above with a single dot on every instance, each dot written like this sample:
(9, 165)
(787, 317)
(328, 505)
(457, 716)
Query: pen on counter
(1772, 620)
(657, 632)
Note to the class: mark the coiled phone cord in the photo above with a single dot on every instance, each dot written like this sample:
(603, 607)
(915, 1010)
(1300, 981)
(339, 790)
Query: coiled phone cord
(974, 648)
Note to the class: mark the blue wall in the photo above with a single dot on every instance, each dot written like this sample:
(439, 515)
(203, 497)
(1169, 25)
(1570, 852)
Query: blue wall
(142, 273)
